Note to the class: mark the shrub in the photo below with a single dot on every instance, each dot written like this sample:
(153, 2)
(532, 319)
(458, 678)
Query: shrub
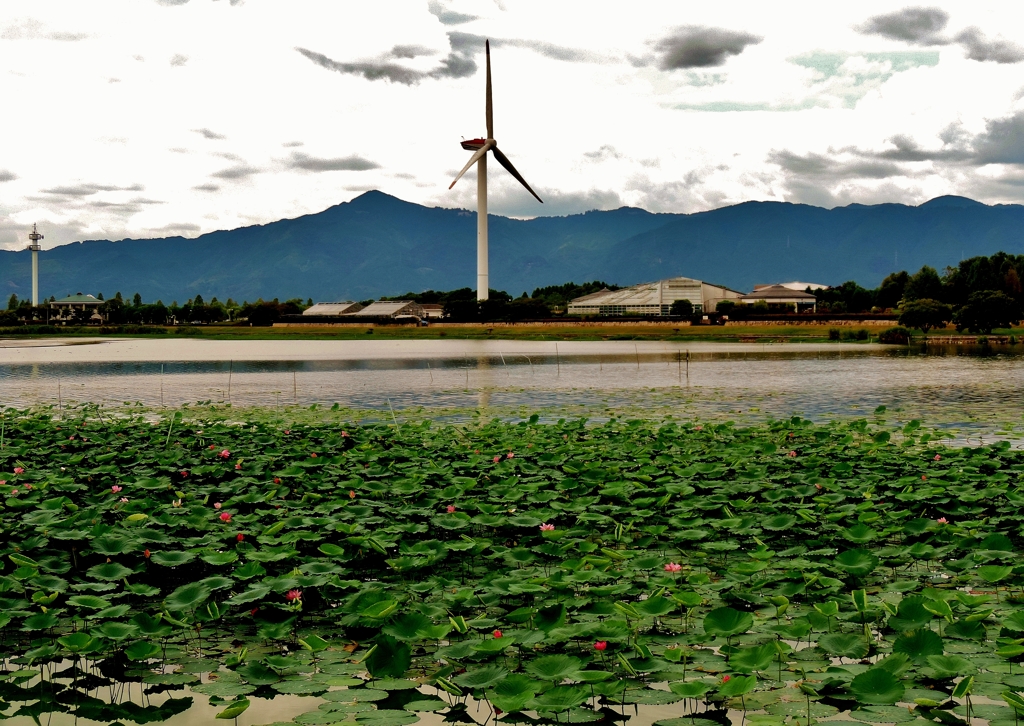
(684, 308)
(926, 314)
(833, 334)
(894, 336)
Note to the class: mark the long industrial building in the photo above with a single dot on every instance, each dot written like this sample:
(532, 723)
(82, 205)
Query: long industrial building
(653, 298)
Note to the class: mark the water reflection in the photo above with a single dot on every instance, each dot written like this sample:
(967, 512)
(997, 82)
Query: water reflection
(951, 385)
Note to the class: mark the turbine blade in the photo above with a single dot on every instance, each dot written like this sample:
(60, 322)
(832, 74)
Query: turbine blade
(490, 110)
(472, 160)
(503, 160)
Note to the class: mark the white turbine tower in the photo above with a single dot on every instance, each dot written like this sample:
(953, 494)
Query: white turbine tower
(34, 236)
(481, 147)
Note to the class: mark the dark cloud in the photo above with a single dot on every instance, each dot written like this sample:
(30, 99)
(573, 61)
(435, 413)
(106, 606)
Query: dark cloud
(206, 188)
(86, 190)
(981, 48)
(602, 154)
(446, 16)
(827, 167)
(32, 29)
(470, 43)
(132, 206)
(411, 51)
(6, 176)
(1002, 141)
(208, 134)
(698, 46)
(178, 60)
(239, 171)
(923, 26)
(370, 70)
(917, 25)
(459, 63)
(346, 163)
(293, 144)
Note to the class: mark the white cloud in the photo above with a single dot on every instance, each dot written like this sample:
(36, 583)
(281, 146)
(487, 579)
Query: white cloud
(222, 122)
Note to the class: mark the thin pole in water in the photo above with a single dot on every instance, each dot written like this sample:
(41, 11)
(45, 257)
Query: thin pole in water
(687, 363)
(504, 364)
(637, 350)
(392, 412)
(558, 363)
(430, 372)
(59, 402)
(295, 387)
(231, 364)
(161, 384)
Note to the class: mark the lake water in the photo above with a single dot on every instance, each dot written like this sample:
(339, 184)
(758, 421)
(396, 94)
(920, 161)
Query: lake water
(969, 389)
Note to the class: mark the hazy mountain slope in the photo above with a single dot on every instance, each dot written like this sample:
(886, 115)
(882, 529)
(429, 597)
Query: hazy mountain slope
(378, 245)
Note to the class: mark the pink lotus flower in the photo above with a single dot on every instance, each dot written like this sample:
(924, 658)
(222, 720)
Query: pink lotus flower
(497, 633)
(27, 486)
(937, 458)
(726, 679)
(351, 493)
(510, 455)
(924, 478)
(287, 431)
(496, 460)
(601, 645)
(15, 493)
(673, 567)
(217, 505)
(547, 527)
(293, 595)
(146, 554)
(225, 516)
(18, 470)
(791, 454)
(240, 537)
(71, 438)
(942, 520)
(698, 428)
(123, 500)
(451, 508)
(224, 454)
(344, 434)
(115, 489)
(2, 482)
(184, 473)
(212, 447)
(238, 466)
(313, 455)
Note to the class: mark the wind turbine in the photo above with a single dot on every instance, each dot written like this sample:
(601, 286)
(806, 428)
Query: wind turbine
(481, 147)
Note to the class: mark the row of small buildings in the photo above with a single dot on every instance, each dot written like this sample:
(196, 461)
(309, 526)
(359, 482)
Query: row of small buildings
(647, 299)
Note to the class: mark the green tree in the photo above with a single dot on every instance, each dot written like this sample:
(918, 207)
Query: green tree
(890, 292)
(684, 308)
(924, 285)
(926, 314)
(986, 310)
(99, 296)
(137, 300)
(12, 304)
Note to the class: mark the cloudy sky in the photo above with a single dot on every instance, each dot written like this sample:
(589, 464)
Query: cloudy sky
(149, 118)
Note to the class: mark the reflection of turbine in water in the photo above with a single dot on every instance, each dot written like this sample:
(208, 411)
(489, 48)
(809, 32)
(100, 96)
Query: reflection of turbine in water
(485, 381)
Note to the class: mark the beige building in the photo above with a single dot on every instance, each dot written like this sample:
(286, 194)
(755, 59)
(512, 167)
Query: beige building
(345, 307)
(390, 309)
(782, 296)
(653, 298)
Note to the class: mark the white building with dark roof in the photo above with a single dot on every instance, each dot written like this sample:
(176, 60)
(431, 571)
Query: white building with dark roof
(653, 298)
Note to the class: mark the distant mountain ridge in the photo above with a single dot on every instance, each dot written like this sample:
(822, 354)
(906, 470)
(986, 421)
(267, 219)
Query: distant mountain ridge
(378, 245)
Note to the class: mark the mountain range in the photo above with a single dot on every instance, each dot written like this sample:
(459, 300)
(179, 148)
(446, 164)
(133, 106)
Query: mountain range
(379, 245)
